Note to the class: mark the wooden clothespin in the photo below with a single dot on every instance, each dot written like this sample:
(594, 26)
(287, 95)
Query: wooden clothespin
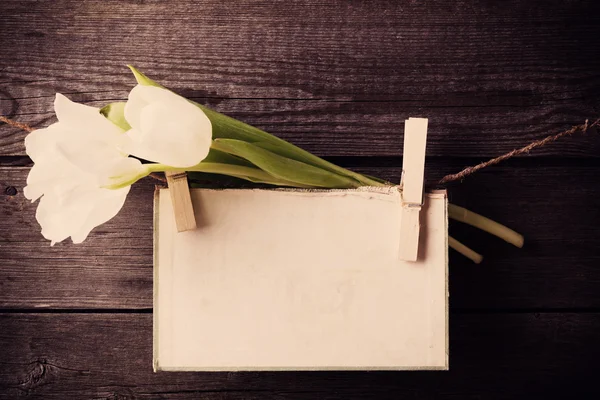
(182, 200)
(413, 170)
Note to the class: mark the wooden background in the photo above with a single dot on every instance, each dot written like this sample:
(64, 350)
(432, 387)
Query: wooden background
(337, 78)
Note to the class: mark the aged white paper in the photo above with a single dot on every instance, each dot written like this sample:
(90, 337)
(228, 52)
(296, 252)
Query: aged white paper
(299, 280)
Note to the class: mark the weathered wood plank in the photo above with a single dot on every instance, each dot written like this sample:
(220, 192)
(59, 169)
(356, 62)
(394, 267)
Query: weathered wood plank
(335, 77)
(112, 271)
(108, 356)
(362, 128)
(337, 128)
(553, 205)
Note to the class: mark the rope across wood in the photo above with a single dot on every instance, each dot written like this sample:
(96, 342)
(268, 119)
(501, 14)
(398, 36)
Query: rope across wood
(538, 143)
(16, 124)
(448, 178)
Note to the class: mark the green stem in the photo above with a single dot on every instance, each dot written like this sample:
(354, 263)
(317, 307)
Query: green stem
(464, 250)
(119, 182)
(230, 128)
(486, 224)
(238, 171)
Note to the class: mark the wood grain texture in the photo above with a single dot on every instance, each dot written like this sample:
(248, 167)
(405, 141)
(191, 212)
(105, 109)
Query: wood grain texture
(557, 268)
(335, 77)
(109, 356)
(111, 271)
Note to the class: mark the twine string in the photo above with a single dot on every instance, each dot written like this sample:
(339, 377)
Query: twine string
(23, 127)
(526, 149)
(446, 179)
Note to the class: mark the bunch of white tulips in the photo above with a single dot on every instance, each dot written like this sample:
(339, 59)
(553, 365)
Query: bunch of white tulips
(83, 168)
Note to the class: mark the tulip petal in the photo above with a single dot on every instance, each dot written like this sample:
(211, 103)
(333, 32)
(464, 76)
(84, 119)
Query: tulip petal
(59, 215)
(85, 120)
(91, 156)
(141, 96)
(179, 138)
(133, 108)
(137, 147)
(52, 171)
(76, 212)
(166, 128)
(69, 112)
(41, 142)
(43, 178)
(153, 94)
(73, 159)
(106, 204)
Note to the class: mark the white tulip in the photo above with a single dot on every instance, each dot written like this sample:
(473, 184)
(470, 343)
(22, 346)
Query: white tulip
(166, 128)
(75, 160)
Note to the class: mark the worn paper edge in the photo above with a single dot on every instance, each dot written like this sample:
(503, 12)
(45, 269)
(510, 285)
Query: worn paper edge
(446, 273)
(378, 189)
(155, 237)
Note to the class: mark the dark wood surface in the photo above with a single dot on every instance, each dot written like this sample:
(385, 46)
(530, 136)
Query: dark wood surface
(337, 78)
(107, 356)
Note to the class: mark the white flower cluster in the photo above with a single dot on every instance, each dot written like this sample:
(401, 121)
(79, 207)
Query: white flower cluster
(82, 170)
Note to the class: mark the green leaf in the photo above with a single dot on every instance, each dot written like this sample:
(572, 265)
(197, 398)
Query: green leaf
(141, 78)
(225, 127)
(296, 153)
(216, 156)
(115, 113)
(251, 174)
(284, 168)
